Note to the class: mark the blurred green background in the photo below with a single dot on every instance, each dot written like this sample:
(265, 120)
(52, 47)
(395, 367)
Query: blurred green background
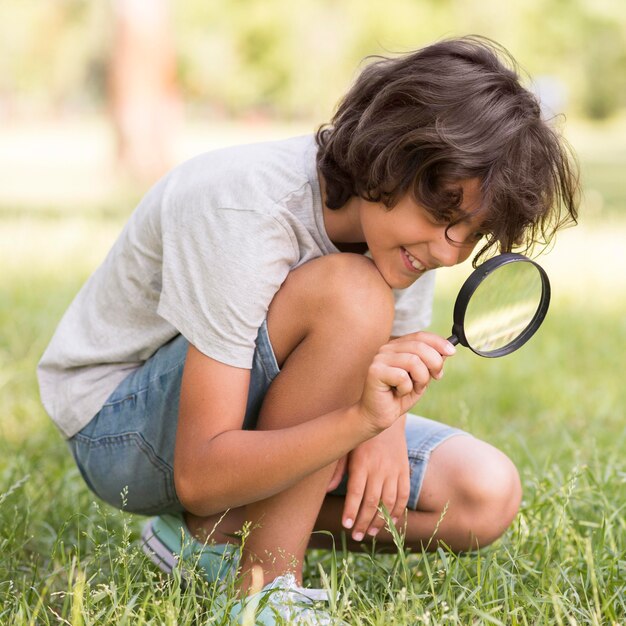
(83, 83)
(294, 59)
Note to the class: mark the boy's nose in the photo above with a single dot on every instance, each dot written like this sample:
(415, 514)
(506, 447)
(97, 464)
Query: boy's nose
(446, 253)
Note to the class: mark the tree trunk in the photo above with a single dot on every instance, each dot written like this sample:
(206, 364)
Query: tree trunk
(143, 97)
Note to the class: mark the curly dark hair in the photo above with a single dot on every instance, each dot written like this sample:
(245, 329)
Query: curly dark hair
(453, 110)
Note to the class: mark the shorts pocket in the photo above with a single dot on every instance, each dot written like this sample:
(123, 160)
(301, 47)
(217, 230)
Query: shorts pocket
(125, 471)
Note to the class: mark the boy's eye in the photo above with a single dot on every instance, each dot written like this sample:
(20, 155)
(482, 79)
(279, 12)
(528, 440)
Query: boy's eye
(455, 227)
(472, 239)
(440, 217)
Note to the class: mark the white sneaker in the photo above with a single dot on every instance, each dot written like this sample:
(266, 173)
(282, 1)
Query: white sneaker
(283, 601)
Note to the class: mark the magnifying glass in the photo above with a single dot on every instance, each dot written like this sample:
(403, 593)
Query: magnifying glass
(501, 305)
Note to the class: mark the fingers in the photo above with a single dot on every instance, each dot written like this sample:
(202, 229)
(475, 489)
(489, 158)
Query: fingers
(430, 349)
(374, 522)
(394, 497)
(443, 346)
(405, 371)
(399, 375)
(402, 497)
(368, 497)
(364, 499)
(354, 495)
(395, 382)
(340, 468)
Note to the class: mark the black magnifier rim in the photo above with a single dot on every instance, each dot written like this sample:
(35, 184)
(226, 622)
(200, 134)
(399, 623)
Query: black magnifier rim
(470, 286)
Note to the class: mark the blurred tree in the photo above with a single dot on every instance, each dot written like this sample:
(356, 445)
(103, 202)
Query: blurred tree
(604, 65)
(584, 43)
(47, 52)
(283, 58)
(143, 97)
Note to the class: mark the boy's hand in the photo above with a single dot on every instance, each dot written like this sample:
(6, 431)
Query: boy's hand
(340, 470)
(399, 375)
(378, 472)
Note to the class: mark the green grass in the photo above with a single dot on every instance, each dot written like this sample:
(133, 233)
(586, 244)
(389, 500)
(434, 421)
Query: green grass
(556, 407)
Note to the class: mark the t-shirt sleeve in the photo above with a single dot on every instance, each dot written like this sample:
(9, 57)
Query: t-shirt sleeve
(414, 306)
(221, 269)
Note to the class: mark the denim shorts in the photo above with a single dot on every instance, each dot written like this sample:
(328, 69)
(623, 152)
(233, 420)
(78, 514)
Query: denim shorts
(126, 452)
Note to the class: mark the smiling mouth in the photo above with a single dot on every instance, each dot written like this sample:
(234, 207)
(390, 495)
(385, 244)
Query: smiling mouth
(413, 262)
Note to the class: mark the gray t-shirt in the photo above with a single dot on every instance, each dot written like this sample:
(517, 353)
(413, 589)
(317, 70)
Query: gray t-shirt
(203, 255)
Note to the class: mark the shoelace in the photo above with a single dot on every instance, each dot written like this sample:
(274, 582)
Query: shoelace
(288, 585)
(287, 599)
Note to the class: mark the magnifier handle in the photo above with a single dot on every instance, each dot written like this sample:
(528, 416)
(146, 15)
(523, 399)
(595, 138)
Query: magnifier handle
(453, 339)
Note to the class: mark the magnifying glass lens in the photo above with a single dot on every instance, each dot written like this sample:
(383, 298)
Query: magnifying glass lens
(503, 306)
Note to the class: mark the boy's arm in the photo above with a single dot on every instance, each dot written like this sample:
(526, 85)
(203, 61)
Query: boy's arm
(219, 466)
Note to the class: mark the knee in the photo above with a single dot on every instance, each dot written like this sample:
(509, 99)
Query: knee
(339, 294)
(350, 286)
(489, 493)
(480, 486)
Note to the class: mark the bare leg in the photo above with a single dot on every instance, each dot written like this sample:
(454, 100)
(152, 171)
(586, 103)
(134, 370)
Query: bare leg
(476, 485)
(326, 323)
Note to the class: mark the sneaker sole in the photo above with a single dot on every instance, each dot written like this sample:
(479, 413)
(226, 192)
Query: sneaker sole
(158, 553)
(161, 555)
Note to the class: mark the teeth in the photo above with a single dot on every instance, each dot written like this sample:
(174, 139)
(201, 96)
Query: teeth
(414, 262)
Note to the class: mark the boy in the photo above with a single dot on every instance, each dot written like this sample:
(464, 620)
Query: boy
(231, 359)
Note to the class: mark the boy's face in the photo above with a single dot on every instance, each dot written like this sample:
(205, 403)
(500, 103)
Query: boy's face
(407, 241)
